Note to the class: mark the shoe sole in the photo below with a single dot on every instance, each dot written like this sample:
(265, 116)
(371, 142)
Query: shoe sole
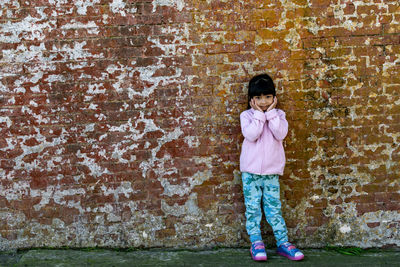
(291, 258)
(260, 258)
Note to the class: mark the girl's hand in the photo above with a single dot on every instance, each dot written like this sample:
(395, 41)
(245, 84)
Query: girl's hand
(254, 105)
(273, 105)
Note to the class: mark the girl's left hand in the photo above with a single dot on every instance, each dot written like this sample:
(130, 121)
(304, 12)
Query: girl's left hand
(273, 105)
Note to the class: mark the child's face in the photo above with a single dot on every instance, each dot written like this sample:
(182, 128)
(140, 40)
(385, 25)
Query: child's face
(264, 101)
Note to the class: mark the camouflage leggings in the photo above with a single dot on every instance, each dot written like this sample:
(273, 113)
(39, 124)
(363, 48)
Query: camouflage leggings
(265, 187)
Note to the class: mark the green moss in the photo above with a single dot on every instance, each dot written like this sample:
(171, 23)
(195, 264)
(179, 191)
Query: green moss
(353, 251)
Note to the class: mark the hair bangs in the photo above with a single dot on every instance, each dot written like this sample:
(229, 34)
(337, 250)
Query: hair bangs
(261, 87)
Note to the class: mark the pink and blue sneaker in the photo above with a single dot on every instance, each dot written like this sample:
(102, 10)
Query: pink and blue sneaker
(257, 251)
(290, 251)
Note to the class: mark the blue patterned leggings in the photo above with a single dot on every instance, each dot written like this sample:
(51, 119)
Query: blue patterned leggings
(265, 187)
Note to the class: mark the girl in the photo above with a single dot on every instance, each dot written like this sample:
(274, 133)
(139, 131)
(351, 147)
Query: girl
(262, 160)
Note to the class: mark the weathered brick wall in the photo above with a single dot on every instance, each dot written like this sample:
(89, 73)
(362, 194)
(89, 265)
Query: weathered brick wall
(119, 120)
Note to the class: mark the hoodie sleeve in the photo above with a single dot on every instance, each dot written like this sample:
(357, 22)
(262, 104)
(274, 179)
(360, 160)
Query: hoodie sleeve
(252, 124)
(277, 123)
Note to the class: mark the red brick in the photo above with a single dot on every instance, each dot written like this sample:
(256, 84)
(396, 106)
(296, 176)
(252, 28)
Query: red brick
(332, 88)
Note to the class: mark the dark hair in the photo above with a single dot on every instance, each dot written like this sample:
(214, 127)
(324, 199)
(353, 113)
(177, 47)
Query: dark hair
(261, 84)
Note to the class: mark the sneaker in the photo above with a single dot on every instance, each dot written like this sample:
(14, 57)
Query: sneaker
(290, 251)
(257, 251)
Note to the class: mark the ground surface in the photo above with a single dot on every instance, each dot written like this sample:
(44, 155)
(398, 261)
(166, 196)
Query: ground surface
(212, 258)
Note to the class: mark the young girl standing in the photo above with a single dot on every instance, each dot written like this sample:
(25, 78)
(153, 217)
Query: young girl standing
(262, 160)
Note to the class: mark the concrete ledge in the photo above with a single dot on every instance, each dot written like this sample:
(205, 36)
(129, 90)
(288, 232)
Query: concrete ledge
(212, 258)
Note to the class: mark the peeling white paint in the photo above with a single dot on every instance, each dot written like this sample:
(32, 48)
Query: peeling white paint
(183, 189)
(17, 191)
(345, 229)
(91, 27)
(83, 5)
(9, 3)
(189, 208)
(27, 150)
(95, 89)
(124, 188)
(293, 39)
(146, 74)
(76, 52)
(27, 29)
(35, 89)
(192, 141)
(23, 54)
(93, 106)
(95, 169)
(178, 4)
(118, 6)
(6, 120)
(146, 165)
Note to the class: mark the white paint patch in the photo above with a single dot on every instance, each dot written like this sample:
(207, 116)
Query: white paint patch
(38, 117)
(102, 137)
(7, 3)
(58, 3)
(95, 169)
(312, 26)
(293, 38)
(95, 89)
(124, 188)
(179, 4)
(18, 190)
(57, 195)
(93, 106)
(146, 165)
(189, 208)
(321, 50)
(192, 141)
(27, 150)
(28, 29)
(3, 88)
(183, 189)
(89, 128)
(118, 152)
(118, 6)
(113, 218)
(315, 197)
(146, 74)
(91, 27)
(6, 120)
(101, 117)
(351, 25)
(33, 103)
(55, 78)
(82, 5)
(345, 229)
(11, 100)
(176, 46)
(23, 54)
(77, 52)
(35, 89)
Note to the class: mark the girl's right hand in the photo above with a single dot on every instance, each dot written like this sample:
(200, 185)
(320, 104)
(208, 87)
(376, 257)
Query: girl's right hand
(254, 105)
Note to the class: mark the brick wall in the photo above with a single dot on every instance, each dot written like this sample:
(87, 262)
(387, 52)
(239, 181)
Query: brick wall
(120, 127)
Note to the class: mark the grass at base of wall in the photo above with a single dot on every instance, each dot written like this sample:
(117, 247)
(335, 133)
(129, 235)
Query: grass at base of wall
(354, 251)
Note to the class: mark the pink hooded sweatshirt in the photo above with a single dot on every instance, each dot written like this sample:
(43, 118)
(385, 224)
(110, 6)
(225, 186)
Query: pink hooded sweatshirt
(262, 149)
